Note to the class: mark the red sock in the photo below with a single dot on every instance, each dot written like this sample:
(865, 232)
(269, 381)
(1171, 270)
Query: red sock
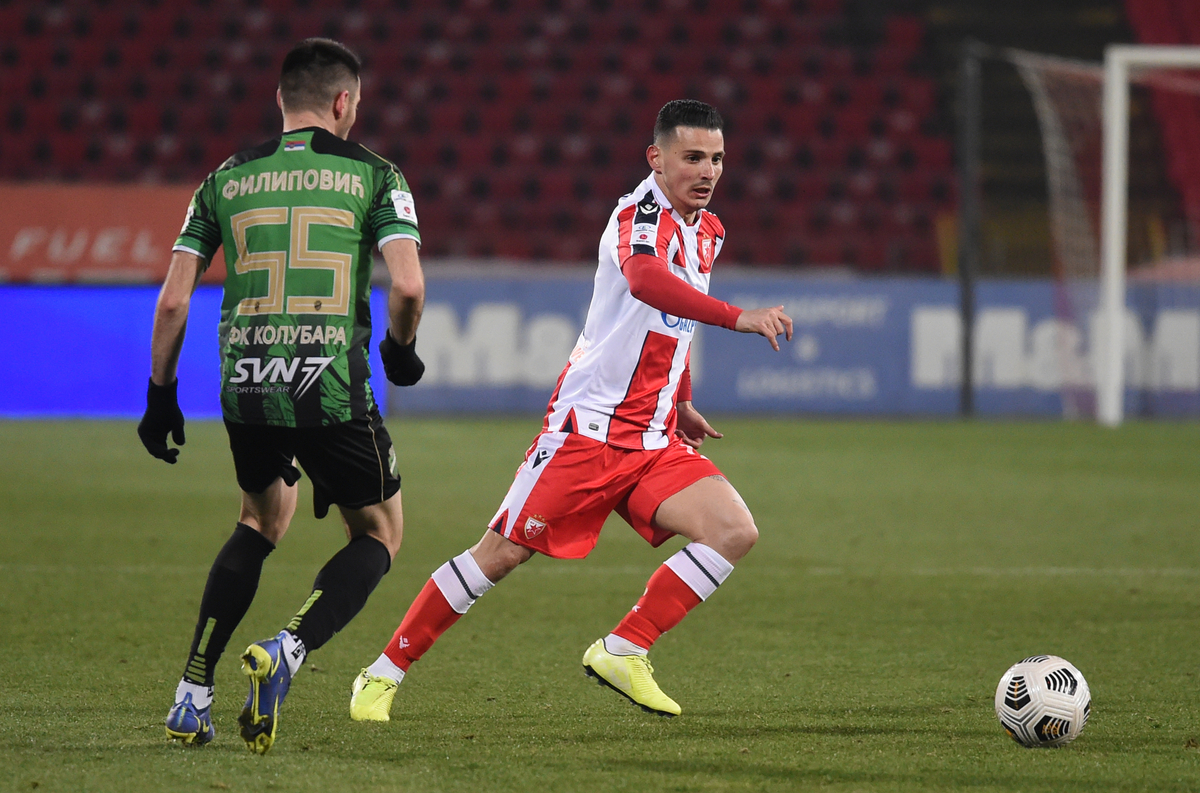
(428, 618)
(666, 602)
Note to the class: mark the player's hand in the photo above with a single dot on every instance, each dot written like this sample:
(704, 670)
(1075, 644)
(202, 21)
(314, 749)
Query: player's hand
(769, 322)
(162, 416)
(690, 426)
(400, 361)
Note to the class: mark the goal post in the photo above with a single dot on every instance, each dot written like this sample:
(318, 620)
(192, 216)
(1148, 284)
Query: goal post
(1106, 215)
(1121, 62)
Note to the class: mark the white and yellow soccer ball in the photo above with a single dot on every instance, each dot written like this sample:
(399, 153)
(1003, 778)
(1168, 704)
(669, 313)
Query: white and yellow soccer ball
(1043, 701)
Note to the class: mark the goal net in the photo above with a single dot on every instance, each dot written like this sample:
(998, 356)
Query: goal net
(1153, 235)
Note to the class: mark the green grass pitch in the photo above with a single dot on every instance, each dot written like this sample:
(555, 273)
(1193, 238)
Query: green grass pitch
(902, 568)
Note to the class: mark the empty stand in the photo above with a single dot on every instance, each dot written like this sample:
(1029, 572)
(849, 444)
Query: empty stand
(518, 123)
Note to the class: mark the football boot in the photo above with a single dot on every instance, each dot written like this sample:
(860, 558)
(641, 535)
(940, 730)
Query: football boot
(188, 724)
(631, 676)
(371, 697)
(265, 664)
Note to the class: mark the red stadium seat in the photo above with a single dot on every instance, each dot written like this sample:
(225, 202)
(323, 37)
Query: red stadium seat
(90, 54)
(904, 32)
(68, 153)
(144, 119)
(533, 113)
(36, 54)
(15, 82)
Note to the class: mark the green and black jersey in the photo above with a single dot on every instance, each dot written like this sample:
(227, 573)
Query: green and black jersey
(298, 217)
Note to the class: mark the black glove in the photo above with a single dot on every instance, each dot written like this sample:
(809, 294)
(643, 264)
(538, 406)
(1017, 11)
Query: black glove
(400, 361)
(162, 416)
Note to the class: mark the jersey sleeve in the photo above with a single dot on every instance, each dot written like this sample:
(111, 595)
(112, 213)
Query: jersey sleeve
(393, 215)
(201, 233)
(644, 228)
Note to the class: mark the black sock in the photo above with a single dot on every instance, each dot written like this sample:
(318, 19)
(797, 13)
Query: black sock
(341, 590)
(232, 582)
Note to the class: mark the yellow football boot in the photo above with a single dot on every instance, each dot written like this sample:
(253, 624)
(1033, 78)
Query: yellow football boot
(630, 676)
(371, 697)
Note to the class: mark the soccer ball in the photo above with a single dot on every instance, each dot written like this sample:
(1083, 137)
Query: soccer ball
(1043, 701)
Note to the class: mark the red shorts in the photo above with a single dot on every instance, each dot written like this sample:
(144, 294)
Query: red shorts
(569, 484)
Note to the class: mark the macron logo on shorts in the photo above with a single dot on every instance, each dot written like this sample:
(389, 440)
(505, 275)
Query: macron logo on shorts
(540, 457)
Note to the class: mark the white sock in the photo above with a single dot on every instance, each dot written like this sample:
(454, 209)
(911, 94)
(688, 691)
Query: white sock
(701, 568)
(461, 582)
(383, 667)
(202, 696)
(620, 646)
(293, 650)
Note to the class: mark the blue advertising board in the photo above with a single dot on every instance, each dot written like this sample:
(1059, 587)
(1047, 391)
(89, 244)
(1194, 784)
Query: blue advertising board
(497, 343)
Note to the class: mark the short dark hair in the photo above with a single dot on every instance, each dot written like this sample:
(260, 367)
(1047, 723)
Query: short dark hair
(315, 72)
(686, 113)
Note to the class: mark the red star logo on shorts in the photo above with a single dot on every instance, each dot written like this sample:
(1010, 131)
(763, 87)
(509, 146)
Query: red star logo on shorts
(534, 526)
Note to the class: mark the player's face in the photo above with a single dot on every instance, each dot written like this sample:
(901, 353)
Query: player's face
(688, 164)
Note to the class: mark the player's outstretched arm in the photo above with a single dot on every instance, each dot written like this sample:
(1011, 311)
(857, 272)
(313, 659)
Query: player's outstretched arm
(162, 414)
(768, 322)
(652, 283)
(406, 301)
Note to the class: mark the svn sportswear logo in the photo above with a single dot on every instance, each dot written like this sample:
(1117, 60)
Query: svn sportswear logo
(276, 370)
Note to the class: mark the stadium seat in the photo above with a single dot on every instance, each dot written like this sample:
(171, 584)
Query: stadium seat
(520, 105)
(15, 82)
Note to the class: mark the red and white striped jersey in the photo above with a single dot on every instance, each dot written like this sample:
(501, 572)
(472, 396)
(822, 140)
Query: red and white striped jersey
(620, 382)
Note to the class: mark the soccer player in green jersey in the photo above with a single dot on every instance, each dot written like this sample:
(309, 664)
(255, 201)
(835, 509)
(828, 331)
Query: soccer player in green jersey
(298, 217)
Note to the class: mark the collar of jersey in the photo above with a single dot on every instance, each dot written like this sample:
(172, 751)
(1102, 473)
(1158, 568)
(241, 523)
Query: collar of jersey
(305, 129)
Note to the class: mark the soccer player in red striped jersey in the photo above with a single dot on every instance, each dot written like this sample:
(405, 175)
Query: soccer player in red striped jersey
(620, 432)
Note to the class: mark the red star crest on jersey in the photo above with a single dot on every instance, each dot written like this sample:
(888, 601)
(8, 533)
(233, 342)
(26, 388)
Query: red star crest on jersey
(707, 250)
(534, 526)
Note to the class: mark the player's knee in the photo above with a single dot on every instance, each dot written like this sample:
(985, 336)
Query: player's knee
(497, 557)
(738, 534)
(383, 522)
(272, 530)
(389, 535)
(746, 535)
(501, 562)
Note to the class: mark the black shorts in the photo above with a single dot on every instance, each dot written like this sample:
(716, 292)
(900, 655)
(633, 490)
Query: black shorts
(351, 464)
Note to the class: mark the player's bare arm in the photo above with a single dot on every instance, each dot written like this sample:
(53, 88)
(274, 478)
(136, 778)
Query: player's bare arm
(406, 299)
(163, 416)
(171, 313)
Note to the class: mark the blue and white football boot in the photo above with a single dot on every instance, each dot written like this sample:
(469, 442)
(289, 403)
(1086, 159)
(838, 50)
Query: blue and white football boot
(265, 663)
(188, 724)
